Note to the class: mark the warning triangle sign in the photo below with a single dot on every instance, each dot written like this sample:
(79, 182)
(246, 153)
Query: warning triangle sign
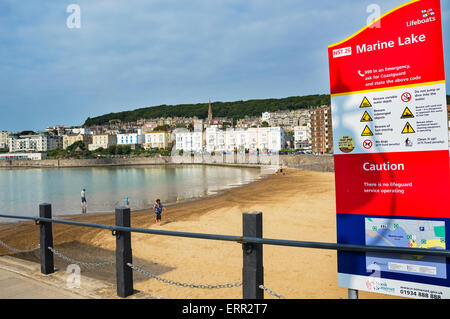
(407, 114)
(366, 132)
(408, 129)
(365, 103)
(366, 117)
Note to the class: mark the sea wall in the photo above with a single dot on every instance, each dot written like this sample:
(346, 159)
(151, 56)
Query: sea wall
(320, 163)
(323, 163)
(58, 163)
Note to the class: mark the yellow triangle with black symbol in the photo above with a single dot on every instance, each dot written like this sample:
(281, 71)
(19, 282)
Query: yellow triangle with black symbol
(407, 114)
(366, 117)
(366, 132)
(365, 103)
(408, 129)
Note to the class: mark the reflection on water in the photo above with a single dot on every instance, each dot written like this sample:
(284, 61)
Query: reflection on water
(21, 190)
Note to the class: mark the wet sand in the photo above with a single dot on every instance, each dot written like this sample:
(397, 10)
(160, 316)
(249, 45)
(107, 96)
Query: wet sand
(299, 205)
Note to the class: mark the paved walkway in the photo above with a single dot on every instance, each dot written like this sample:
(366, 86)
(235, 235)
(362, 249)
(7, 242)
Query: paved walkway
(16, 286)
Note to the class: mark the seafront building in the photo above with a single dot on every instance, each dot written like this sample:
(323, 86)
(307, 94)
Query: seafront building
(302, 137)
(4, 139)
(80, 130)
(41, 142)
(287, 119)
(157, 139)
(69, 139)
(188, 141)
(321, 130)
(131, 138)
(102, 141)
(262, 139)
(58, 129)
(215, 139)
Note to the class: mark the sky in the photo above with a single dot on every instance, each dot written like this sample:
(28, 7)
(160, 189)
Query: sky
(138, 53)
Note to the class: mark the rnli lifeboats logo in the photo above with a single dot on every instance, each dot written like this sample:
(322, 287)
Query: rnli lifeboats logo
(346, 144)
(427, 13)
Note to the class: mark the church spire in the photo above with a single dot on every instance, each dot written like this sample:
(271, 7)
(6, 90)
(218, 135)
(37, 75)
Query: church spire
(209, 113)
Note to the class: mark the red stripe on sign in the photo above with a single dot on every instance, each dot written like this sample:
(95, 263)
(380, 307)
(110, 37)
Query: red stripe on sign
(404, 48)
(415, 184)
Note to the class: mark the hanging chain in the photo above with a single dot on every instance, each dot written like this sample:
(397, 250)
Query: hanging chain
(81, 263)
(19, 250)
(181, 284)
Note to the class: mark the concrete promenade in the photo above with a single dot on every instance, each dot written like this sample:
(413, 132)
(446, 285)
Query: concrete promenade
(20, 279)
(16, 286)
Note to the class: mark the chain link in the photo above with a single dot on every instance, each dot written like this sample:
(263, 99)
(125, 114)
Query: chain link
(181, 284)
(81, 263)
(19, 250)
(271, 292)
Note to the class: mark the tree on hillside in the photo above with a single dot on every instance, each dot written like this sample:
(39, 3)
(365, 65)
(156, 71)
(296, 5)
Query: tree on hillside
(77, 146)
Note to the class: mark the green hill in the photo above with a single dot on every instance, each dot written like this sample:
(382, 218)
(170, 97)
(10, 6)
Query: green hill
(234, 110)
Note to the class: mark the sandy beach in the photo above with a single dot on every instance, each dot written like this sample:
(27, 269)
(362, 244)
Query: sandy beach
(299, 205)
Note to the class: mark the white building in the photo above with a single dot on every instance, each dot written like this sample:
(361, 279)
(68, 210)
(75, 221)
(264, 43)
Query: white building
(215, 139)
(4, 139)
(265, 117)
(276, 139)
(188, 141)
(130, 138)
(264, 139)
(41, 142)
(302, 137)
(80, 130)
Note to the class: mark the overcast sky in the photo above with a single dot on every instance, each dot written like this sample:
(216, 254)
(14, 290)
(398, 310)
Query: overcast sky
(138, 53)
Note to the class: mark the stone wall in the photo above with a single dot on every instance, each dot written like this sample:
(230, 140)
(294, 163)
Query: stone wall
(320, 163)
(86, 162)
(306, 162)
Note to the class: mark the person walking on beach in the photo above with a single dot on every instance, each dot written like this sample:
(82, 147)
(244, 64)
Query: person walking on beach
(83, 201)
(158, 209)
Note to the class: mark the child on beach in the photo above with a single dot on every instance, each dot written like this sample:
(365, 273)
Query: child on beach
(158, 209)
(83, 201)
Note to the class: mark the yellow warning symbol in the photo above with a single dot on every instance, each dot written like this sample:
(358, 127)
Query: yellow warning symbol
(408, 129)
(366, 117)
(366, 132)
(407, 114)
(365, 103)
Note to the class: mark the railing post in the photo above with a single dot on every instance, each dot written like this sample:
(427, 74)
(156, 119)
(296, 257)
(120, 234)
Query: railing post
(252, 271)
(352, 294)
(46, 240)
(124, 274)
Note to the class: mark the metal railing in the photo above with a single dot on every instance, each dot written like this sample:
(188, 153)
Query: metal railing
(252, 245)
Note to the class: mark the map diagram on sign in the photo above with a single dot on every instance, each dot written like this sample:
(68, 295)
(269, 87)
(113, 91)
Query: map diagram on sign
(406, 233)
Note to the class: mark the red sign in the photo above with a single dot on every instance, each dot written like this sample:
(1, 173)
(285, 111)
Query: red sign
(400, 56)
(403, 169)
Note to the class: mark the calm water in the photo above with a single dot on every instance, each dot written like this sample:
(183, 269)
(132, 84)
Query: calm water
(21, 190)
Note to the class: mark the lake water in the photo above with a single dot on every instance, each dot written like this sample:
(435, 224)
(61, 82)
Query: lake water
(21, 190)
